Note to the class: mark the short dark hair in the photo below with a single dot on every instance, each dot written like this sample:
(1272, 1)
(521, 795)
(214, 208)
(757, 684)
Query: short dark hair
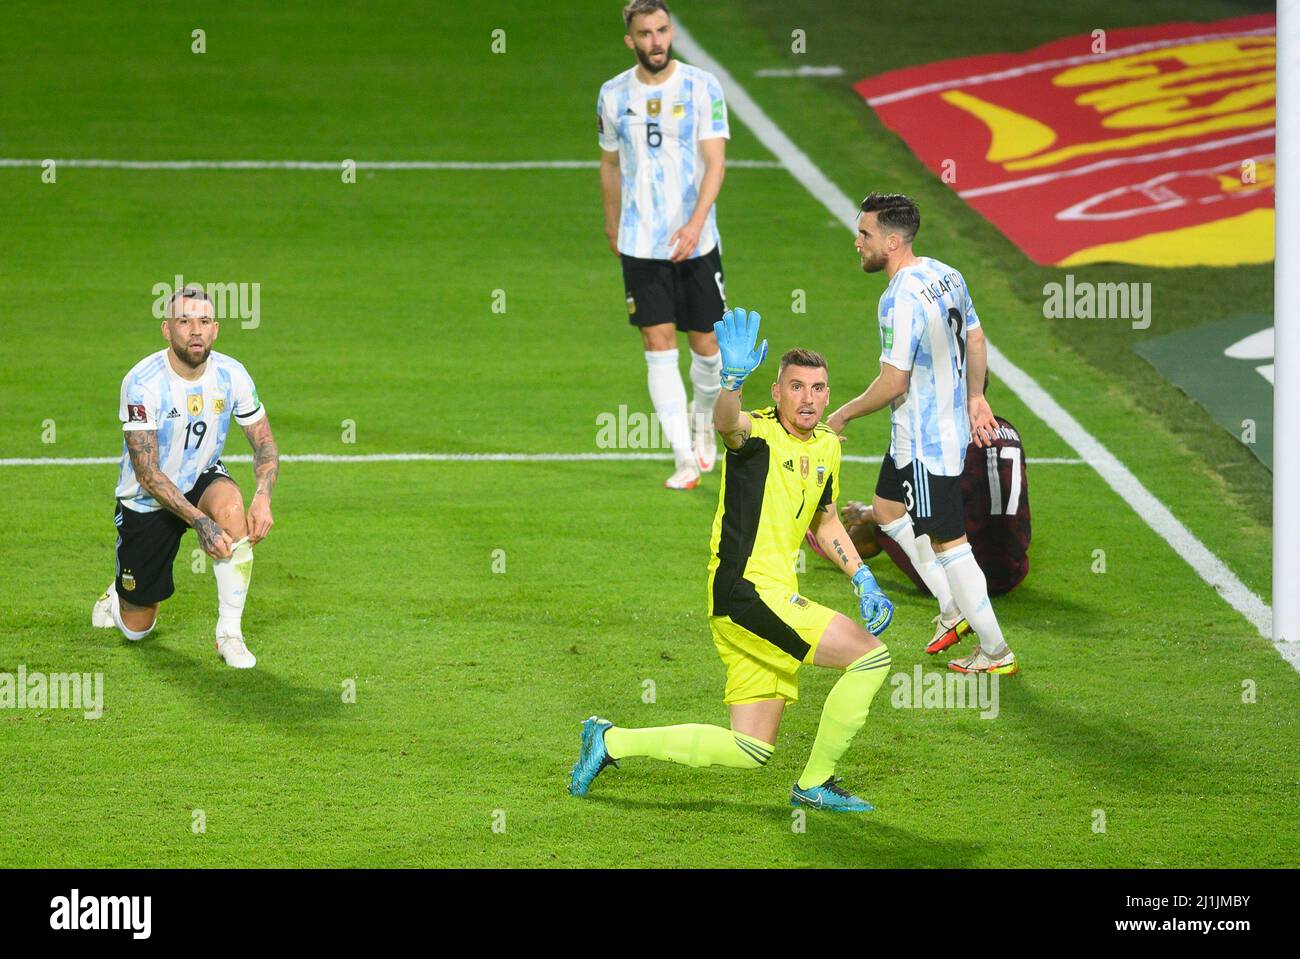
(895, 212)
(800, 357)
(188, 293)
(639, 7)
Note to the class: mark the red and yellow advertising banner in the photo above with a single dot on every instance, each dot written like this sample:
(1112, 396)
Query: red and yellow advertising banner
(1151, 145)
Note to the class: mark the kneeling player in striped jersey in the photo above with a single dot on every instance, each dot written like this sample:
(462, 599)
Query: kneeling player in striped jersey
(177, 406)
(780, 476)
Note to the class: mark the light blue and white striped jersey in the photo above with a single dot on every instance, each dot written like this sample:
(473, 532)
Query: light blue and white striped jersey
(925, 313)
(657, 132)
(192, 418)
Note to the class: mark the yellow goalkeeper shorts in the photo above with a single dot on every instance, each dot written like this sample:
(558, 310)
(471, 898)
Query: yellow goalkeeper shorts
(766, 636)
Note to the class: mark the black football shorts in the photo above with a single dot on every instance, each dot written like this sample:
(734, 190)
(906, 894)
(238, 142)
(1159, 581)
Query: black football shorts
(687, 294)
(934, 502)
(147, 544)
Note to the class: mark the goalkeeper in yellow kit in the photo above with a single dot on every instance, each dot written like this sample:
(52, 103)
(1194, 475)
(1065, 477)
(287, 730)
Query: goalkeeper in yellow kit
(780, 478)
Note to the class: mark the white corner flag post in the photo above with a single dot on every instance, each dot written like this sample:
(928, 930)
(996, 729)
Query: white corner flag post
(1286, 323)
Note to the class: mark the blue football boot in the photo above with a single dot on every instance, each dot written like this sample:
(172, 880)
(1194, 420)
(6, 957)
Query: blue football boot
(593, 757)
(828, 796)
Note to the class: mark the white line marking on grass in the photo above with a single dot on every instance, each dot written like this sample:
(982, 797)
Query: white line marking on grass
(1118, 476)
(448, 458)
(338, 164)
(1041, 65)
(828, 71)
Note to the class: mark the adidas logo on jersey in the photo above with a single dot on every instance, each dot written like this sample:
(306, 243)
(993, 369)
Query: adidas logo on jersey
(629, 112)
(173, 414)
(789, 464)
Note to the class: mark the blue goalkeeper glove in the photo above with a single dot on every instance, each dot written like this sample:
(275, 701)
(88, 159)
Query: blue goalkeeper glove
(877, 610)
(737, 332)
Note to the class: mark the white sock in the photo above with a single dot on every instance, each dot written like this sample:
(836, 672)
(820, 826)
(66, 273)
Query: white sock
(668, 395)
(705, 373)
(233, 576)
(927, 566)
(116, 607)
(972, 594)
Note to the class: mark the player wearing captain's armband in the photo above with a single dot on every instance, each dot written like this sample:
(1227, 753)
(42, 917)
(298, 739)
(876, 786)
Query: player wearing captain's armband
(780, 477)
(176, 408)
(932, 355)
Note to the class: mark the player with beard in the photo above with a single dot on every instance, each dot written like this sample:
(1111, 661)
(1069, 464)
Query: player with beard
(176, 408)
(663, 130)
(932, 365)
(780, 479)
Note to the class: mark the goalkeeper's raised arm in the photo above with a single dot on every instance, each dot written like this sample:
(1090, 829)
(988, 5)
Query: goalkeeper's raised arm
(737, 333)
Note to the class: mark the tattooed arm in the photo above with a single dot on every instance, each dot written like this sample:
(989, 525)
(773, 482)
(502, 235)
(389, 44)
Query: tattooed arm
(266, 469)
(142, 445)
(730, 420)
(835, 541)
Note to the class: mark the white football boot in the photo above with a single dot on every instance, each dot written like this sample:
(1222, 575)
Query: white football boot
(235, 653)
(686, 477)
(947, 632)
(981, 662)
(101, 617)
(703, 441)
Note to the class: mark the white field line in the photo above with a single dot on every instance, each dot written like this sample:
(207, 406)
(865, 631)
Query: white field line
(1041, 65)
(1118, 476)
(338, 164)
(827, 71)
(450, 458)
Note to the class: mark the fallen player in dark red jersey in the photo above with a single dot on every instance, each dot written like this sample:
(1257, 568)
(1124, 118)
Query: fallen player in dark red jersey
(995, 494)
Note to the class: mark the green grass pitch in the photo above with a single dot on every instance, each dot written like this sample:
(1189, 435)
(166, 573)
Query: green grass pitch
(470, 683)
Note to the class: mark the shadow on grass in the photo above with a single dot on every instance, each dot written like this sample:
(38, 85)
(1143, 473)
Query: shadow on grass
(679, 805)
(844, 840)
(862, 841)
(256, 694)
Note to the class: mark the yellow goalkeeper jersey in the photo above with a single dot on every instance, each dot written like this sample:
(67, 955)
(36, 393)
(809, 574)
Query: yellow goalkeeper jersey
(771, 487)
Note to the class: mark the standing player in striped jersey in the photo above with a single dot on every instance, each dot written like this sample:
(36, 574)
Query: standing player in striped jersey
(663, 128)
(932, 352)
(176, 409)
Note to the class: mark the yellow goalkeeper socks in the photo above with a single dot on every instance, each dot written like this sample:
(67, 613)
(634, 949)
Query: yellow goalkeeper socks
(691, 744)
(845, 712)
